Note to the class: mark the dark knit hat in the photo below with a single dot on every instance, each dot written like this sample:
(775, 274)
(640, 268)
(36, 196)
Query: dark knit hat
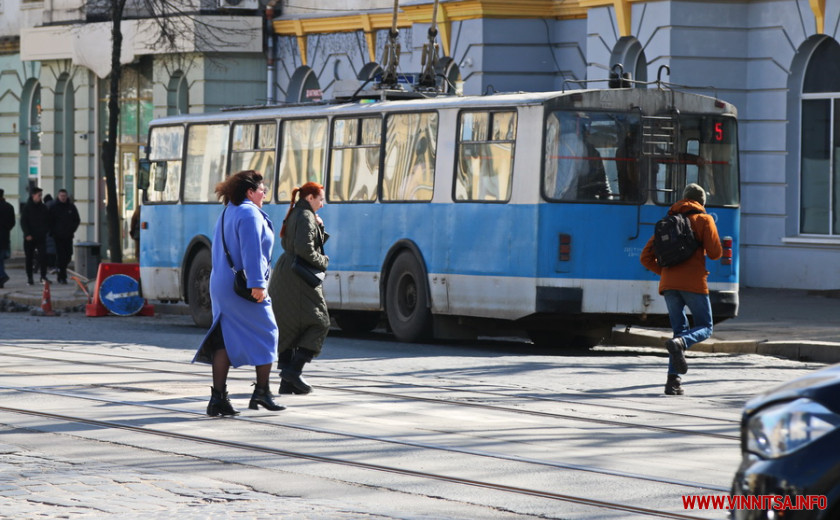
(695, 192)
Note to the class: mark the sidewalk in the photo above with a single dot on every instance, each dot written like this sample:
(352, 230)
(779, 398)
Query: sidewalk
(64, 298)
(794, 324)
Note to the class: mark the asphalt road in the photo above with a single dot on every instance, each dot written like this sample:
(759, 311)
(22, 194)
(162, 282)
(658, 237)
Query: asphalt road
(105, 416)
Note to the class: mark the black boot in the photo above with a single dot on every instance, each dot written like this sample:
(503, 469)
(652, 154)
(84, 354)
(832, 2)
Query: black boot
(291, 373)
(220, 403)
(288, 388)
(283, 362)
(672, 386)
(262, 396)
(285, 358)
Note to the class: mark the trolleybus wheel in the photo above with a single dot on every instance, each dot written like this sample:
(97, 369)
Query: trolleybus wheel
(407, 300)
(198, 289)
(356, 321)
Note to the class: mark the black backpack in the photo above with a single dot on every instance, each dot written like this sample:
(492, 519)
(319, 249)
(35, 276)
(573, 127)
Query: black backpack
(673, 239)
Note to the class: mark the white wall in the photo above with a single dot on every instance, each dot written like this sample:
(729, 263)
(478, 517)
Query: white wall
(9, 17)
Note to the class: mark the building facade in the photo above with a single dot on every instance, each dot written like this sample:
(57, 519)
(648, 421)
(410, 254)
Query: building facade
(57, 94)
(776, 60)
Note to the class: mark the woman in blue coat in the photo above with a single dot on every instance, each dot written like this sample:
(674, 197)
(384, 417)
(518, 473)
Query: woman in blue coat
(243, 332)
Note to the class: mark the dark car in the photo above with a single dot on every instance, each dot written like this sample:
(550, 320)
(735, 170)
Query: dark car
(790, 446)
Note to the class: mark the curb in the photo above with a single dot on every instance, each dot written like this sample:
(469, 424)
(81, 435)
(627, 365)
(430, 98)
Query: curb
(62, 303)
(797, 350)
(35, 301)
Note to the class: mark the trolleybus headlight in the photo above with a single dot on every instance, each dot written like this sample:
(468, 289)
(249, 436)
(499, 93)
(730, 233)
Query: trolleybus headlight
(784, 428)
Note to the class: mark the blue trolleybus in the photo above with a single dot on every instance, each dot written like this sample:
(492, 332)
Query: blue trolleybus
(457, 216)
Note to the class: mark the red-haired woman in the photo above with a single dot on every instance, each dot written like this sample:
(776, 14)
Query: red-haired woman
(300, 309)
(243, 332)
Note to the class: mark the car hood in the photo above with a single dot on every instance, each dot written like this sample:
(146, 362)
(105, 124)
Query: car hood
(822, 386)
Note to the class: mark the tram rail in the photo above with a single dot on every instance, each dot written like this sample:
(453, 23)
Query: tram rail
(608, 422)
(254, 448)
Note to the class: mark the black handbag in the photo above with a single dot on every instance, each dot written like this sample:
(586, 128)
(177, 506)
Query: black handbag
(240, 281)
(307, 272)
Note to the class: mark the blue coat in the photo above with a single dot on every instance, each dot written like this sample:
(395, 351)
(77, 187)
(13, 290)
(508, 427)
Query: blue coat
(248, 328)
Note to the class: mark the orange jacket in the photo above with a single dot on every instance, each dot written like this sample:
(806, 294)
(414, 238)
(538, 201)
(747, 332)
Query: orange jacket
(689, 275)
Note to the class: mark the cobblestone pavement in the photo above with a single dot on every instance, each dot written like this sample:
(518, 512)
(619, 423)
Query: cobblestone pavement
(34, 486)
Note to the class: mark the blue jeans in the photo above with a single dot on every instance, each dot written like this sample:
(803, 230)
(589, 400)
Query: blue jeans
(701, 310)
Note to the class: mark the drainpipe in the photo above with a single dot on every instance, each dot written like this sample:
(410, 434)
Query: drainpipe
(97, 192)
(270, 39)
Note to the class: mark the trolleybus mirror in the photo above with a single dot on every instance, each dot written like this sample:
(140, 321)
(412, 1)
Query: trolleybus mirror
(143, 169)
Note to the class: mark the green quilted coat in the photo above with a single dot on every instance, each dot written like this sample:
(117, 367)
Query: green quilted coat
(300, 310)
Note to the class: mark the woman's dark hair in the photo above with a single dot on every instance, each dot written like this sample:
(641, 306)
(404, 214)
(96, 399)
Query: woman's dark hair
(235, 188)
(310, 188)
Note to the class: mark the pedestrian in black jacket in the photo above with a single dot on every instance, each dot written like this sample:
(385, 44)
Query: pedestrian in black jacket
(35, 223)
(7, 222)
(64, 221)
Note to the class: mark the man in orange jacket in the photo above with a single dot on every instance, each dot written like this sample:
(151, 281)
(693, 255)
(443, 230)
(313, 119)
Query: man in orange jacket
(684, 285)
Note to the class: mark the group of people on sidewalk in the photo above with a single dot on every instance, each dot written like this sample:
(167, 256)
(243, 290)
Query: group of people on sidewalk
(41, 220)
(276, 315)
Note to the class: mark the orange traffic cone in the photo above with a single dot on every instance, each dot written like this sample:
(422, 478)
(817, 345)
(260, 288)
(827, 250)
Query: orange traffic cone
(46, 303)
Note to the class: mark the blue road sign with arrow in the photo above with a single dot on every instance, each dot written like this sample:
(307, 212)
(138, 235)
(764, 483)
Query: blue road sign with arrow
(120, 294)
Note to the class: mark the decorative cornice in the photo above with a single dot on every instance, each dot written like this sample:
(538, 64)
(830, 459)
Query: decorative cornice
(448, 12)
(334, 24)
(623, 13)
(473, 9)
(818, 7)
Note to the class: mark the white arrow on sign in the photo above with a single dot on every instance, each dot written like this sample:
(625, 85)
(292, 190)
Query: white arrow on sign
(113, 296)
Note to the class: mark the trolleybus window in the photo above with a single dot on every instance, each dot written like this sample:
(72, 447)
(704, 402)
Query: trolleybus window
(410, 144)
(207, 147)
(354, 160)
(485, 156)
(708, 156)
(253, 149)
(592, 156)
(166, 146)
(302, 155)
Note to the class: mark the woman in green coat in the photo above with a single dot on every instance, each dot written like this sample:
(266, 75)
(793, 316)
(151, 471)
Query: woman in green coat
(300, 309)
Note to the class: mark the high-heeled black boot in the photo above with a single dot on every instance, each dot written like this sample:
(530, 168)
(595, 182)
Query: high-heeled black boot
(220, 403)
(262, 396)
(291, 374)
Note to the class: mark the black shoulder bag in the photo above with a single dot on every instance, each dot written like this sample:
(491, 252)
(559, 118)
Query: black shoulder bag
(308, 272)
(240, 281)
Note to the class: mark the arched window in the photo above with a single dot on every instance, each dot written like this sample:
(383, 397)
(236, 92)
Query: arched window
(448, 75)
(304, 86)
(630, 54)
(30, 135)
(177, 95)
(819, 194)
(64, 132)
(369, 71)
